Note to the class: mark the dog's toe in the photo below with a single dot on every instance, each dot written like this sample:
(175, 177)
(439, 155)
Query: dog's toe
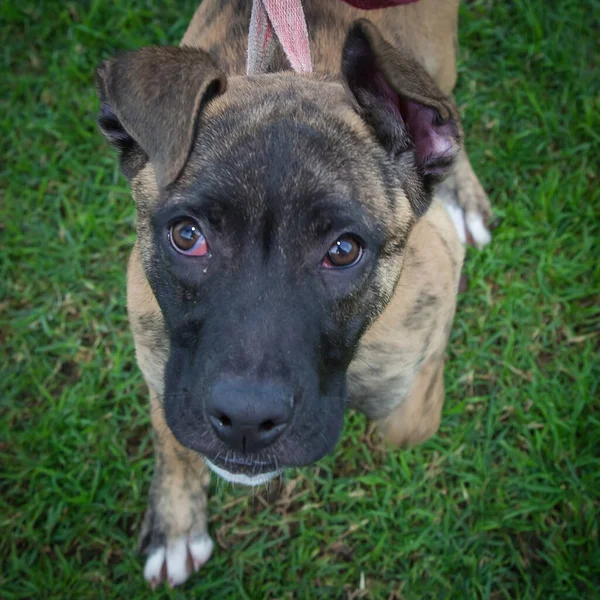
(175, 562)
(479, 233)
(201, 549)
(153, 571)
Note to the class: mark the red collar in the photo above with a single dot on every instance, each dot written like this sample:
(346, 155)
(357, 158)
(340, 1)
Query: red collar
(373, 4)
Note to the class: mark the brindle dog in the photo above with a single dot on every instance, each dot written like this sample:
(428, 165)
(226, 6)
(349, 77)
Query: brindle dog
(294, 257)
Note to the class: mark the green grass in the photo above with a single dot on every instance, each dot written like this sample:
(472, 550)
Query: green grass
(502, 503)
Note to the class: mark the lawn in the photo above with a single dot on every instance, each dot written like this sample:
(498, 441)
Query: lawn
(503, 503)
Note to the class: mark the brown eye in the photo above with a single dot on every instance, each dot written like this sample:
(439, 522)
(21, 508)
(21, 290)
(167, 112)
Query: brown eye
(187, 238)
(346, 252)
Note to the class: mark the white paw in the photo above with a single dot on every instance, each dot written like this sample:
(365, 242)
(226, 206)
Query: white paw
(469, 226)
(175, 562)
(477, 229)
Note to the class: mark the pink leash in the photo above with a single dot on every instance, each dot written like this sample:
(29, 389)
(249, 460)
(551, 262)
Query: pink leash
(285, 19)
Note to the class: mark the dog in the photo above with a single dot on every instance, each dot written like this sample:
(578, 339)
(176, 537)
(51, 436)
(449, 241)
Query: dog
(294, 256)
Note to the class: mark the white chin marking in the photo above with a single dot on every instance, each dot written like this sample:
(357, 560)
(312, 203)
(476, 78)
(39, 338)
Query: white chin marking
(477, 229)
(251, 480)
(458, 219)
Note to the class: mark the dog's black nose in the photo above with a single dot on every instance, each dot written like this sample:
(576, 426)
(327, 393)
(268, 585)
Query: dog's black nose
(249, 416)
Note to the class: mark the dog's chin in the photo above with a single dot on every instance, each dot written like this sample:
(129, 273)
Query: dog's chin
(242, 478)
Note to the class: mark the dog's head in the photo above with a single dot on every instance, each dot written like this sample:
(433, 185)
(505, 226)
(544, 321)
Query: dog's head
(273, 213)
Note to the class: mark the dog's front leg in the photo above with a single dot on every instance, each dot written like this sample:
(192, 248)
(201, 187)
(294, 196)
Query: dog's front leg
(174, 532)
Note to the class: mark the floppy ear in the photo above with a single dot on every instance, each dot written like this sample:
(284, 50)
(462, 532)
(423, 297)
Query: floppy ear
(150, 103)
(402, 103)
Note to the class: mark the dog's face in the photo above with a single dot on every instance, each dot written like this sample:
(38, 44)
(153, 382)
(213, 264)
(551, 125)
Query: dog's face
(272, 217)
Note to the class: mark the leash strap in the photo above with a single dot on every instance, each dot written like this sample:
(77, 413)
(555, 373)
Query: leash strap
(283, 19)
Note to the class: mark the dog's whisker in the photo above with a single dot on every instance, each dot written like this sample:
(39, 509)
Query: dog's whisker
(361, 359)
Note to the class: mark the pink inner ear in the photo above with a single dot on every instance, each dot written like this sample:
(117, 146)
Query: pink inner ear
(434, 141)
(388, 94)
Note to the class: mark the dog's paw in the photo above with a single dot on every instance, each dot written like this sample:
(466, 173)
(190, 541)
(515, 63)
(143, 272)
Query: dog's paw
(175, 561)
(470, 226)
(477, 211)
(470, 209)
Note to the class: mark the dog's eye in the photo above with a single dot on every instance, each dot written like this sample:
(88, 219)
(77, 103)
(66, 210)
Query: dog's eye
(346, 252)
(187, 238)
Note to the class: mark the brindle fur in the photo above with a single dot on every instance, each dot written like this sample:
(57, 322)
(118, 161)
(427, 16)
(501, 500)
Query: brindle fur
(396, 376)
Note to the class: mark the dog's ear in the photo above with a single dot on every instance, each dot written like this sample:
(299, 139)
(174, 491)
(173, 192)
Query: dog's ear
(401, 102)
(150, 104)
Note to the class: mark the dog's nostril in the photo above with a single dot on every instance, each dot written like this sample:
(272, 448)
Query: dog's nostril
(266, 426)
(224, 420)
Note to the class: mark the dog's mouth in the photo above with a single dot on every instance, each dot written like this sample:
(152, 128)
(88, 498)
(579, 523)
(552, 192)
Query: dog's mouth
(249, 454)
(246, 472)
